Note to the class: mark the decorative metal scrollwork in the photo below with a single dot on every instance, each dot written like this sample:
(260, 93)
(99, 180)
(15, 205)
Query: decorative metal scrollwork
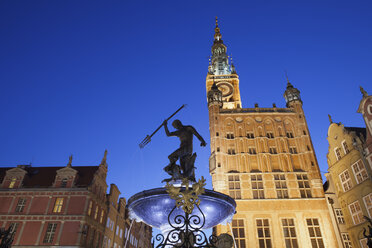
(186, 232)
(6, 237)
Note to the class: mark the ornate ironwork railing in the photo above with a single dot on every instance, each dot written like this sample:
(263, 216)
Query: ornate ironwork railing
(186, 232)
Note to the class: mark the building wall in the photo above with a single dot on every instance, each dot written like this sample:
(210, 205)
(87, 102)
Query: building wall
(350, 168)
(265, 160)
(251, 143)
(64, 207)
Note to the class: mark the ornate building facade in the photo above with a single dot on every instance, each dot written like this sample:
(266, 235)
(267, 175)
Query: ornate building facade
(66, 207)
(350, 174)
(265, 160)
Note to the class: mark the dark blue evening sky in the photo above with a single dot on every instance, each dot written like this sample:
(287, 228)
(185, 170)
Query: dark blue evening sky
(78, 77)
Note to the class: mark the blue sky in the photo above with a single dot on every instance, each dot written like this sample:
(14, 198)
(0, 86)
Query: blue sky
(79, 77)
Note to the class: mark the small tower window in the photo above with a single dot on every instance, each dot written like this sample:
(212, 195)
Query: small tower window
(290, 135)
(217, 134)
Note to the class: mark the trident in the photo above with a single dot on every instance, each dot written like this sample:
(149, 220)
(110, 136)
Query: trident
(147, 140)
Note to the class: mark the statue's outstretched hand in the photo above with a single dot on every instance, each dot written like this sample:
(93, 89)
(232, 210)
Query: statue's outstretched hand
(203, 143)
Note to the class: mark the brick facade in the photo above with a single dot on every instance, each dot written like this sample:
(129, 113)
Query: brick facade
(66, 207)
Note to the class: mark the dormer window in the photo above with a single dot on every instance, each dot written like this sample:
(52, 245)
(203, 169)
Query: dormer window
(64, 183)
(12, 182)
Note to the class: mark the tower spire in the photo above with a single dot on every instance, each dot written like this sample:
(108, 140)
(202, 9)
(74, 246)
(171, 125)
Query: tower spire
(291, 94)
(220, 60)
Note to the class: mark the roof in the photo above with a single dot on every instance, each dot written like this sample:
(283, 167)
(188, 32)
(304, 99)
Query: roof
(43, 177)
(358, 131)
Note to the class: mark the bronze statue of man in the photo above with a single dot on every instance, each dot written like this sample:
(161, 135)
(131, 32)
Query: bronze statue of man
(184, 152)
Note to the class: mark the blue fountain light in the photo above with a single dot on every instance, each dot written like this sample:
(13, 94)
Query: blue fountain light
(153, 207)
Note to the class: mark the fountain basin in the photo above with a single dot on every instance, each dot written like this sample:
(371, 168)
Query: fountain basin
(153, 207)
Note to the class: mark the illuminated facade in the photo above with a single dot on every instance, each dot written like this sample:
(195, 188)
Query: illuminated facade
(349, 161)
(66, 207)
(265, 160)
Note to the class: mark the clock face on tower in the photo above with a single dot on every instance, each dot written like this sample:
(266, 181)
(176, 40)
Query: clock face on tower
(226, 88)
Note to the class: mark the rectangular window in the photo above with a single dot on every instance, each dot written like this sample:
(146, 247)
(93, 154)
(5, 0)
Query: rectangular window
(90, 207)
(96, 213)
(368, 203)
(250, 135)
(304, 186)
(346, 240)
(293, 150)
(346, 148)
(49, 235)
(270, 135)
(263, 233)
(289, 232)
(58, 205)
(339, 216)
(102, 215)
(12, 182)
(234, 187)
(20, 205)
(338, 153)
(356, 213)
(290, 135)
(273, 150)
(13, 227)
(239, 234)
(121, 233)
(281, 186)
(108, 222)
(314, 232)
(257, 187)
(345, 180)
(229, 135)
(252, 150)
(231, 151)
(359, 171)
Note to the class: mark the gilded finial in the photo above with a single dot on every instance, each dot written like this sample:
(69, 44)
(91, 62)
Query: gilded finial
(103, 162)
(330, 119)
(217, 34)
(365, 94)
(69, 161)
